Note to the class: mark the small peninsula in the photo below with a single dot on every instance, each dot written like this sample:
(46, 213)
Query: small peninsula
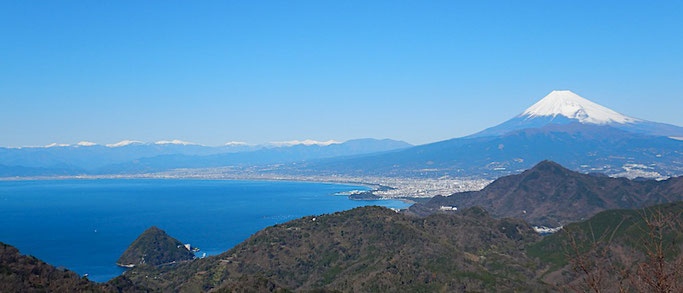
(155, 247)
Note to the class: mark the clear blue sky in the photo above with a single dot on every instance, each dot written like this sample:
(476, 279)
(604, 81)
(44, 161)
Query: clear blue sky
(258, 71)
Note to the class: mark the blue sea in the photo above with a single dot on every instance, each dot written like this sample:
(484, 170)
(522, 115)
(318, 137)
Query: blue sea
(85, 225)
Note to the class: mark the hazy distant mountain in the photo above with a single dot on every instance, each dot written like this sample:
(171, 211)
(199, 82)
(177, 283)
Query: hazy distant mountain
(562, 127)
(133, 156)
(263, 156)
(551, 195)
(89, 156)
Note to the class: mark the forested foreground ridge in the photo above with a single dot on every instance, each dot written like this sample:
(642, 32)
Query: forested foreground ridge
(374, 249)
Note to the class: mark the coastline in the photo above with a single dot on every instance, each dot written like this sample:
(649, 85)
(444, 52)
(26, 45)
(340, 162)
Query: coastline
(408, 190)
(95, 231)
(152, 176)
(374, 186)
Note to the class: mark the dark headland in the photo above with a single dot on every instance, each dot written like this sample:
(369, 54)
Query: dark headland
(154, 247)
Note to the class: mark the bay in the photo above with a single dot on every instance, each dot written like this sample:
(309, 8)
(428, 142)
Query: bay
(85, 225)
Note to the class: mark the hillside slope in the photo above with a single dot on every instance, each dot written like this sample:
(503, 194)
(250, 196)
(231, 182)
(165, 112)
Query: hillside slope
(618, 245)
(25, 273)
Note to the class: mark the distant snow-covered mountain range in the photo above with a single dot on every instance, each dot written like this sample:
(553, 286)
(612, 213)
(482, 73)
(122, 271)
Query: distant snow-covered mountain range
(562, 126)
(130, 156)
(181, 142)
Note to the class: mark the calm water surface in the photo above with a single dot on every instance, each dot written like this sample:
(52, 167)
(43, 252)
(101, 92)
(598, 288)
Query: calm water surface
(85, 225)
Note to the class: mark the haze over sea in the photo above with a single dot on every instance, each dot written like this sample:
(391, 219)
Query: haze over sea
(85, 225)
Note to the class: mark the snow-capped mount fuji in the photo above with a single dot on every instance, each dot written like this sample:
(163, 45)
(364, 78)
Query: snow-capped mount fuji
(563, 127)
(573, 106)
(566, 107)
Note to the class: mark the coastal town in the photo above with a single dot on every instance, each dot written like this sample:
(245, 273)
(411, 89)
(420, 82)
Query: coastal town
(381, 187)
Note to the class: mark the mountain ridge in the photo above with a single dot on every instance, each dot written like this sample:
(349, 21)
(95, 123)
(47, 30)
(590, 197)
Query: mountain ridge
(551, 195)
(131, 157)
(583, 147)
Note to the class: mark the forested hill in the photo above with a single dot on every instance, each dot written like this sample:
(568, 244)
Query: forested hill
(367, 249)
(374, 249)
(551, 195)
